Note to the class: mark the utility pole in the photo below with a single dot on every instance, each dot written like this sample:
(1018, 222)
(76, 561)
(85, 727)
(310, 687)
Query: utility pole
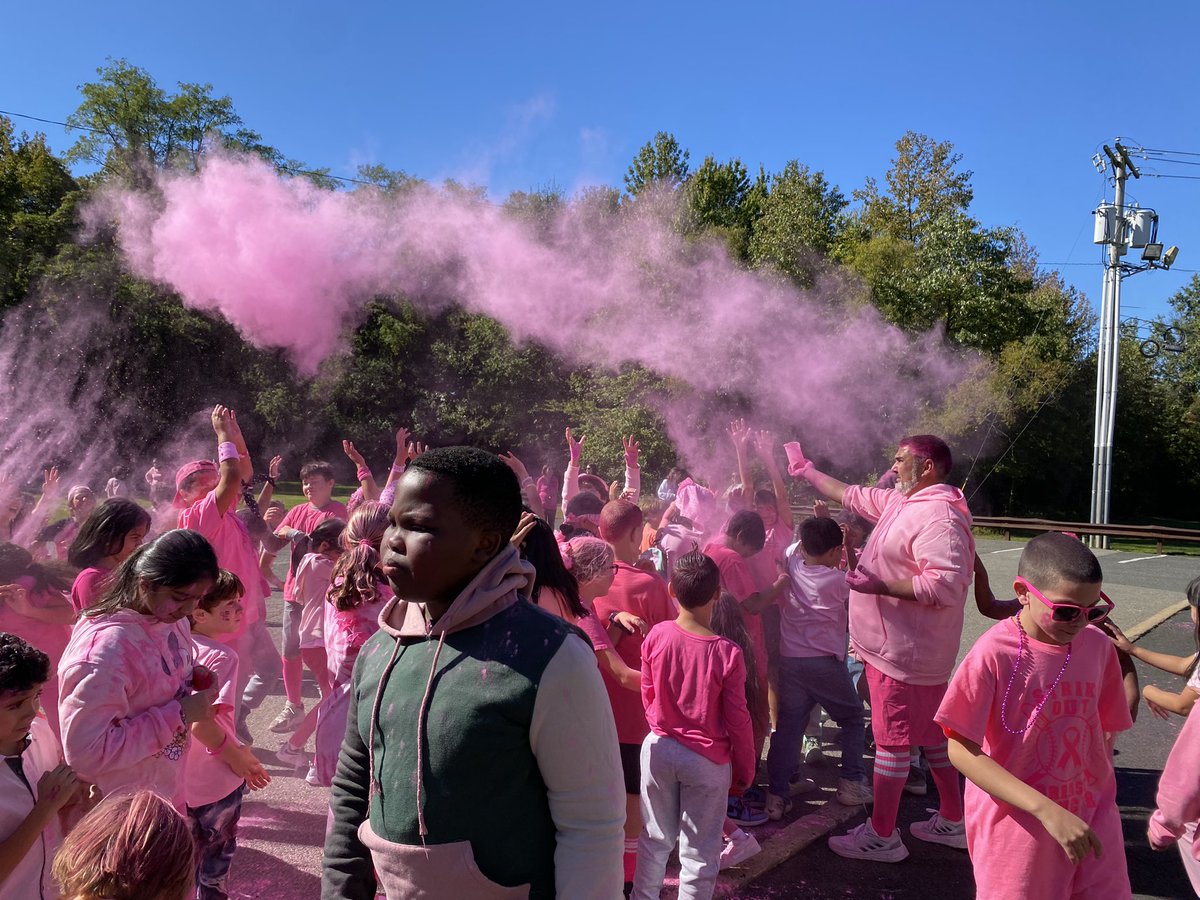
(1108, 350)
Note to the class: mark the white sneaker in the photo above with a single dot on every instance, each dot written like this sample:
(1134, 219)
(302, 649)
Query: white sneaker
(939, 830)
(739, 848)
(312, 778)
(854, 793)
(288, 720)
(863, 843)
(293, 756)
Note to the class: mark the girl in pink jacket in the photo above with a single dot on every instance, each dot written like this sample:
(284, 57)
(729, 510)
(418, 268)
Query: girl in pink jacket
(126, 699)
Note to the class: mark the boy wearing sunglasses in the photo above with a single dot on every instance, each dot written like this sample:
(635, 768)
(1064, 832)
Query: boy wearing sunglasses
(1030, 715)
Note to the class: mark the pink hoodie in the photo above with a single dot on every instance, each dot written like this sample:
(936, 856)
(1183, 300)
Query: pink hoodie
(926, 537)
(121, 679)
(1179, 789)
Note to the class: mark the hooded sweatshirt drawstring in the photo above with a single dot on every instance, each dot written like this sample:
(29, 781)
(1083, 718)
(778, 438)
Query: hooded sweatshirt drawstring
(493, 589)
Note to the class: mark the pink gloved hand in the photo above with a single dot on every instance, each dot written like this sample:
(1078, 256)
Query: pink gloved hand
(865, 582)
(797, 463)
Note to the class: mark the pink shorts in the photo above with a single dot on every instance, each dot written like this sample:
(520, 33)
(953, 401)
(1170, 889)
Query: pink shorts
(901, 713)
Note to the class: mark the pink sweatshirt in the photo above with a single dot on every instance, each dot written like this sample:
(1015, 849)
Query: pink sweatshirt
(1179, 789)
(121, 680)
(926, 537)
(694, 692)
(235, 551)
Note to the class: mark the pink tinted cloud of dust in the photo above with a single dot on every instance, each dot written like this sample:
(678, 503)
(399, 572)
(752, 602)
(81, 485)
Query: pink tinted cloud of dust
(289, 265)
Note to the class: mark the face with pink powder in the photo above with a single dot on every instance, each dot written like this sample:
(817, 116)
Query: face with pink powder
(200, 485)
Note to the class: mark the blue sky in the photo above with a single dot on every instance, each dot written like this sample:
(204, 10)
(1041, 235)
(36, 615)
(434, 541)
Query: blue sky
(532, 94)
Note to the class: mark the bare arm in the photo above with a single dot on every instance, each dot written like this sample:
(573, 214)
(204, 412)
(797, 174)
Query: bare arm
(362, 472)
(625, 676)
(757, 602)
(985, 600)
(55, 609)
(765, 444)
(232, 470)
(739, 434)
(1071, 832)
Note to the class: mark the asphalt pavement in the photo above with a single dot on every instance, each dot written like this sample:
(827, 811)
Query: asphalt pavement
(282, 827)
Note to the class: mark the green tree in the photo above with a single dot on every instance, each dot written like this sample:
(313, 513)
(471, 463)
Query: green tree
(802, 221)
(37, 210)
(659, 161)
(924, 184)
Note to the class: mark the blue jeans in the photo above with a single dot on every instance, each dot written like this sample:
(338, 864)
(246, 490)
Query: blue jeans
(803, 683)
(214, 826)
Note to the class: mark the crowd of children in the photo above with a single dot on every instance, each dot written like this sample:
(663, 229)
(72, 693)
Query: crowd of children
(516, 706)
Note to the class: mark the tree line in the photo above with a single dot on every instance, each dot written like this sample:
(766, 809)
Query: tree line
(908, 242)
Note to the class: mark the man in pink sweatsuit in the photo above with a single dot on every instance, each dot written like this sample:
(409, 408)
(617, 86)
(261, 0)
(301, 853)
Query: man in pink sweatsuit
(906, 615)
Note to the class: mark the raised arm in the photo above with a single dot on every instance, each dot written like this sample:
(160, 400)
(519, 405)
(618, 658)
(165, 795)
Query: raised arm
(571, 477)
(234, 468)
(362, 472)
(764, 444)
(740, 436)
(633, 472)
(528, 488)
(800, 467)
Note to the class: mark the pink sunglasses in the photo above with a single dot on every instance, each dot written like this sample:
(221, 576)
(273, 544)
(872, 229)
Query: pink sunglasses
(1069, 612)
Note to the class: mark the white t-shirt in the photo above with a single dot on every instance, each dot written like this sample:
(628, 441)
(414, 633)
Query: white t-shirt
(813, 611)
(16, 802)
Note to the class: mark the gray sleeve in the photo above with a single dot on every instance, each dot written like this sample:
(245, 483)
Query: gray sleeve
(574, 739)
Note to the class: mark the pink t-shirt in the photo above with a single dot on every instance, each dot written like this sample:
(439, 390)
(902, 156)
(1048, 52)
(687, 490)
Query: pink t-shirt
(1064, 755)
(813, 611)
(209, 779)
(765, 564)
(694, 692)
(644, 595)
(310, 588)
(347, 630)
(306, 517)
(553, 602)
(121, 679)
(235, 551)
(738, 578)
(89, 585)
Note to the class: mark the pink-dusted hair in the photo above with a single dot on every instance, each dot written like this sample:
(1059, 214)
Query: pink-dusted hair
(130, 847)
(932, 448)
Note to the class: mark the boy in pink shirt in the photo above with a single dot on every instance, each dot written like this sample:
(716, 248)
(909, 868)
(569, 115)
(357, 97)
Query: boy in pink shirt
(1030, 715)
(218, 766)
(317, 482)
(700, 742)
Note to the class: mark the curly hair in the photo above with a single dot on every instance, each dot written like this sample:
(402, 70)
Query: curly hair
(359, 571)
(22, 665)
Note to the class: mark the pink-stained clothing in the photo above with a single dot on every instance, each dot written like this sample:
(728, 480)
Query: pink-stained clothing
(345, 633)
(766, 563)
(547, 488)
(1178, 801)
(209, 779)
(1065, 754)
(305, 517)
(738, 578)
(694, 692)
(926, 537)
(309, 589)
(235, 551)
(644, 595)
(88, 586)
(554, 603)
(902, 714)
(813, 611)
(121, 681)
(31, 876)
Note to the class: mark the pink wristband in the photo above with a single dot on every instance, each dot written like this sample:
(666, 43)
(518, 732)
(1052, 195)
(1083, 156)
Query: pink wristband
(213, 751)
(227, 450)
(363, 473)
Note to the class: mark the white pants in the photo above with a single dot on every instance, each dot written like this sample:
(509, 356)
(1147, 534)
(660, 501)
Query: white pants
(684, 798)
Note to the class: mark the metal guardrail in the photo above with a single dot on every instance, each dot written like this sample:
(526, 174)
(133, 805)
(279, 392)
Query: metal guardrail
(1160, 534)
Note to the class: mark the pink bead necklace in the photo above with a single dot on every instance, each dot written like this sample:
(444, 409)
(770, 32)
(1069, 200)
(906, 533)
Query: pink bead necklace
(1011, 678)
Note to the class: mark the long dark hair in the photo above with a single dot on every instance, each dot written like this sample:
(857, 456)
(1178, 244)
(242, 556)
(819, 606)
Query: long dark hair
(541, 550)
(176, 559)
(727, 621)
(17, 562)
(103, 532)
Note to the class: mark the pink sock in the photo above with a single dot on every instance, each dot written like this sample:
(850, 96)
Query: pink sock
(729, 827)
(949, 788)
(630, 858)
(891, 770)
